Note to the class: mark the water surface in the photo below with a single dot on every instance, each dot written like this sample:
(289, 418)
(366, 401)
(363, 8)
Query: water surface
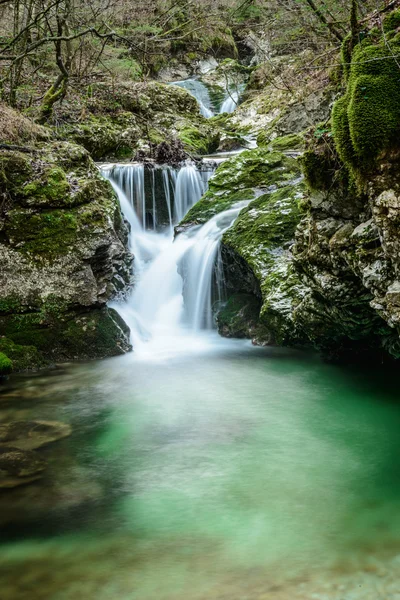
(208, 470)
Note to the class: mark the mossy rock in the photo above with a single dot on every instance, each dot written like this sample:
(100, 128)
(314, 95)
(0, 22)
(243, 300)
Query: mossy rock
(66, 335)
(24, 358)
(120, 129)
(241, 178)
(198, 140)
(260, 237)
(292, 142)
(6, 365)
(63, 250)
(366, 120)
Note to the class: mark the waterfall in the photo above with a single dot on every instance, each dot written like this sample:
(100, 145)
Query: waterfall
(200, 260)
(189, 188)
(197, 89)
(176, 281)
(230, 102)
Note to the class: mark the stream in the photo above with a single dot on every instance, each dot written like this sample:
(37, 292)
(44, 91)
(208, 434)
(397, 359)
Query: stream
(201, 468)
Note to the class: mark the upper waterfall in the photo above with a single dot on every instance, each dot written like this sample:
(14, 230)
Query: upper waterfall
(208, 107)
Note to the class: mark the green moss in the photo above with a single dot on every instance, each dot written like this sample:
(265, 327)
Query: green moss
(267, 222)
(56, 335)
(238, 179)
(52, 185)
(392, 21)
(260, 237)
(23, 358)
(6, 365)
(197, 141)
(341, 131)
(367, 119)
(48, 233)
(346, 54)
(317, 170)
(294, 141)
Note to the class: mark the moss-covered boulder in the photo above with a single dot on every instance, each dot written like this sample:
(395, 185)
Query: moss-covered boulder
(261, 237)
(139, 118)
(256, 249)
(63, 256)
(242, 178)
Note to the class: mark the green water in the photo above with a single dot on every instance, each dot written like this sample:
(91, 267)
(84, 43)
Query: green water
(228, 472)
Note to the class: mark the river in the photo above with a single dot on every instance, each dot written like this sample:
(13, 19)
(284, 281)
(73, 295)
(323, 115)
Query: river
(201, 468)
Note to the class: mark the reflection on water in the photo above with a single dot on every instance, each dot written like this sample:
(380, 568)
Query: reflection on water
(227, 472)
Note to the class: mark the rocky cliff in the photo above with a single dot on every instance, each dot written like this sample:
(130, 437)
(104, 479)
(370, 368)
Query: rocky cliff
(316, 262)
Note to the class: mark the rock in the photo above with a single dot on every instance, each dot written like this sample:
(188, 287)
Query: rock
(259, 277)
(242, 178)
(63, 255)
(30, 435)
(142, 116)
(6, 365)
(19, 467)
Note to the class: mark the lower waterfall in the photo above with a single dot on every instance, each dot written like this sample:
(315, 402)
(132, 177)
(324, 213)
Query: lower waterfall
(176, 281)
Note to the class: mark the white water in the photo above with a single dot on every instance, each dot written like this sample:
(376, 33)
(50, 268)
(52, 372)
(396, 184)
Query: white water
(197, 89)
(230, 103)
(176, 281)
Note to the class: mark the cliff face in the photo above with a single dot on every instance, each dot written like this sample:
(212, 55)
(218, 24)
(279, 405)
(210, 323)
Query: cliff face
(324, 264)
(347, 245)
(63, 256)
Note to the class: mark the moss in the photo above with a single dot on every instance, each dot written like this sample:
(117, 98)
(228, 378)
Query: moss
(197, 141)
(55, 335)
(260, 238)
(209, 205)
(294, 141)
(392, 21)
(346, 54)
(341, 131)
(24, 358)
(367, 119)
(6, 365)
(267, 222)
(238, 179)
(317, 170)
(49, 233)
(52, 185)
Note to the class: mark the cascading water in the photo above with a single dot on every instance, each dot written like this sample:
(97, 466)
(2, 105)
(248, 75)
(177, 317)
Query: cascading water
(230, 102)
(172, 298)
(197, 89)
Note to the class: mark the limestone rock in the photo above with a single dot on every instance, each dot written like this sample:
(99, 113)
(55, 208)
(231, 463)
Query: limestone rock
(63, 256)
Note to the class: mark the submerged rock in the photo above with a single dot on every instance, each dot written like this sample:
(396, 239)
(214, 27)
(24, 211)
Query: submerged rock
(19, 467)
(30, 435)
